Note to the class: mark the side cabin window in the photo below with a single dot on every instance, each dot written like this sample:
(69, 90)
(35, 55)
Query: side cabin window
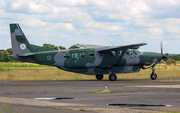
(111, 53)
(91, 54)
(128, 52)
(66, 56)
(82, 54)
(74, 55)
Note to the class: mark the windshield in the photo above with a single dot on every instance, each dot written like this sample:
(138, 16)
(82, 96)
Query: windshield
(135, 51)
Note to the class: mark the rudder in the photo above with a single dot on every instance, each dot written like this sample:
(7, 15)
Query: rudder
(20, 44)
(18, 40)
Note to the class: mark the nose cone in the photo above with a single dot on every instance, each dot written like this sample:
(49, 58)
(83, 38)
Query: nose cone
(164, 56)
(150, 57)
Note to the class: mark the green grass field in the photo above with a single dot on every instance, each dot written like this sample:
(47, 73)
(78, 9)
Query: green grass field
(30, 71)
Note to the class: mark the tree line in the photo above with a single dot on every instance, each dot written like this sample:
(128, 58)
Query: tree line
(172, 58)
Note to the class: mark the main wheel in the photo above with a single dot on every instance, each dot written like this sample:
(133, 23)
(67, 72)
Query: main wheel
(153, 76)
(99, 77)
(112, 77)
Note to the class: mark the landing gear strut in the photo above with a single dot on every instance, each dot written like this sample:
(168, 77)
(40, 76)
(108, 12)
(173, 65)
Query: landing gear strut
(153, 75)
(112, 77)
(99, 77)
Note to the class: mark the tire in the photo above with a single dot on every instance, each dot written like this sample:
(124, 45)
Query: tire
(99, 77)
(112, 77)
(153, 76)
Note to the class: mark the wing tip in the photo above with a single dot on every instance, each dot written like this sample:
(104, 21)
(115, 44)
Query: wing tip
(143, 44)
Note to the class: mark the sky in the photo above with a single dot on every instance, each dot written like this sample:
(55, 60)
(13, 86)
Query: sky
(102, 22)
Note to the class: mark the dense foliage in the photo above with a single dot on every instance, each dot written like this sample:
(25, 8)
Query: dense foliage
(72, 47)
(53, 47)
(172, 58)
(5, 55)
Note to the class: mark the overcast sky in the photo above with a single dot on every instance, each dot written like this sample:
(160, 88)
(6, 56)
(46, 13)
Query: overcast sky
(68, 22)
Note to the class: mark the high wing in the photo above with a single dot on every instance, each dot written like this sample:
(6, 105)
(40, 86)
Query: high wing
(85, 46)
(125, 47)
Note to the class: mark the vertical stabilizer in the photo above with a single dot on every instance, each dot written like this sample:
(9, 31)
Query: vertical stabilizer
(20, 44)
(18, 40)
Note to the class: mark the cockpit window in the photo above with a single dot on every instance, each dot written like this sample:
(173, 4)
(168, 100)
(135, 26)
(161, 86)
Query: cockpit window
(113, 53)
(135, 51)
(119, 53)
(128, 53)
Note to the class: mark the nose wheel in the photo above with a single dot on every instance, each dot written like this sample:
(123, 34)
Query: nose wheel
(153, 75)
(112, 77)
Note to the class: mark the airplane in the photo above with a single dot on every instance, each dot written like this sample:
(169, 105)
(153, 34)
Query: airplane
(86, 58)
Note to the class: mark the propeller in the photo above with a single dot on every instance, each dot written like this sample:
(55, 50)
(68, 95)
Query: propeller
(161, 48)
(163, 56)
(154, 63)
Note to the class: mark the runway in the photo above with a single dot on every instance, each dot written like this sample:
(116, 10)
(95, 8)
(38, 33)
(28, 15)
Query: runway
(20, 95)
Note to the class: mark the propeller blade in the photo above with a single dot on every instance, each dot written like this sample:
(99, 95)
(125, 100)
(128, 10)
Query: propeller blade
(161, 48)
(163, 56)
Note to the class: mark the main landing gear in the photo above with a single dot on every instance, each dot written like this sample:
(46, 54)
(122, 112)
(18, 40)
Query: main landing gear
(112, 77)
(99, 77)
(153, 75)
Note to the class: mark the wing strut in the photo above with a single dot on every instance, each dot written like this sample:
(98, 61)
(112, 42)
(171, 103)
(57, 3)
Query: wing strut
(120, 58)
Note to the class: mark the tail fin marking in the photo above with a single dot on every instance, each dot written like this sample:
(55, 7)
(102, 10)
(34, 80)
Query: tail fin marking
(18, 39)
(20, 44)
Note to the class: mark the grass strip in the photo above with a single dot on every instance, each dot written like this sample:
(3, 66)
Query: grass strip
(32, 71)
(54, 107)
(103, 92)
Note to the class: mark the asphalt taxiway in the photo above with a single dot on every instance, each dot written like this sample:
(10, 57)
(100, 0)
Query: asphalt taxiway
(21, 95)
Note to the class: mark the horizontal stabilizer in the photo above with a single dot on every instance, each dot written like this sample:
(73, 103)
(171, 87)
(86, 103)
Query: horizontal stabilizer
(27, 54)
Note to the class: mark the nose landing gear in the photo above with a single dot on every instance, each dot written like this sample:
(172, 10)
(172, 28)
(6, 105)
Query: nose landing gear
(112, 77)
(153, 75)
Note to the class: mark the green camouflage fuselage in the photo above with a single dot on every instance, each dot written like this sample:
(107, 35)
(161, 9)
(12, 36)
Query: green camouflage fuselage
(92, 62)
(86, 60)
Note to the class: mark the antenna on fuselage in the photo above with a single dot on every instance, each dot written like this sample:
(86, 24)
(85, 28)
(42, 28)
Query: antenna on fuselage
(108, 43)
(112, 44)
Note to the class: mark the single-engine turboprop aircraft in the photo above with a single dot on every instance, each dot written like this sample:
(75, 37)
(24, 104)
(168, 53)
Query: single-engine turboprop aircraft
(87, 59)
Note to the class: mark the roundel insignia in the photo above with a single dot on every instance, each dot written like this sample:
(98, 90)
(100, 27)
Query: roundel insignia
(23, 46)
